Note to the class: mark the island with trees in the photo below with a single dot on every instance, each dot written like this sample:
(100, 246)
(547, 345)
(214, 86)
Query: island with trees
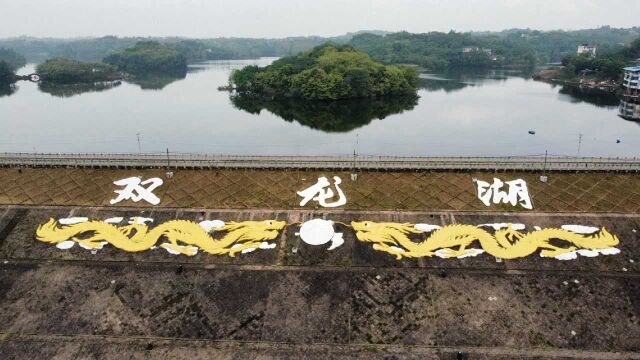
(7, 79)
(66, 71)
(326, 72)
(10, 62)
(147, 63)
(7, 73)
(148, 57)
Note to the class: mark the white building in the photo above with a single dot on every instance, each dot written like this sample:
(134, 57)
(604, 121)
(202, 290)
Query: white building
(587, 49)
(471, 49)
(630, 106)
(631, 79)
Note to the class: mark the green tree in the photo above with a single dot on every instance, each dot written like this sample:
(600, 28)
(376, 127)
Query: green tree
(12, 58)
(603, 66)
(326, 72)
(244, 79)
(66, 71)
(7, 73)
(148, 57)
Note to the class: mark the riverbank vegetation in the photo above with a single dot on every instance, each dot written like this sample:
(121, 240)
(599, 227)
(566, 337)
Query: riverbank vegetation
(7, 73)
(509, 48)
(196, 51)
(604, 66)
(587, 69)
(147, 57)
(327, 72)
(439, 51)
(10, 61)
(66, 71)
(12, 58)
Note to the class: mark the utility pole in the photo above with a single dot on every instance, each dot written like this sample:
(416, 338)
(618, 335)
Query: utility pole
(579, 143)
(169, 173)
(354, 175)
(543, 177)
(139, 146)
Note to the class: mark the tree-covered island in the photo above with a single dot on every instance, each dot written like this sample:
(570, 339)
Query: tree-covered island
(7, 73)
(147, 57)
(145, 60)
(66, 71)
(326, 72)
(10, 61)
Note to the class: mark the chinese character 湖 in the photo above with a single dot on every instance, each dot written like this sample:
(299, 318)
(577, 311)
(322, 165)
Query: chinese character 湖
(516, 194)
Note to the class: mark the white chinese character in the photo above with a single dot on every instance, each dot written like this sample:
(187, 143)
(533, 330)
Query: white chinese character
(135, 191)
(319, 193)
(517, 194)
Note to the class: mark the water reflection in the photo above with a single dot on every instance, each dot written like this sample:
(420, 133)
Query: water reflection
(629, 110)
(433, 84)
(458, 79)
(595, 97)
(69, 90)
(156, 81)
(332, 116)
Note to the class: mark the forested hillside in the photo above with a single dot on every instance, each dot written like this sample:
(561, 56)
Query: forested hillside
(510, 47)
(435, 49)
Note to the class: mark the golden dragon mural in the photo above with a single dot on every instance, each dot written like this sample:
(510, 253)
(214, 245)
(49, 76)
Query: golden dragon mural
(455, 240)
(176, 236)
(403, 240)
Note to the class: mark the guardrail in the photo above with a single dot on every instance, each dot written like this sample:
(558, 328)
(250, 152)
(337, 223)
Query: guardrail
(361, 162)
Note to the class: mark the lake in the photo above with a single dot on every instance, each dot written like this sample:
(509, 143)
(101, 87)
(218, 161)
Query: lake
(488, 113)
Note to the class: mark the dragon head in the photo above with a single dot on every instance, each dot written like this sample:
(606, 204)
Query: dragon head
(602, 239)
(376, 232)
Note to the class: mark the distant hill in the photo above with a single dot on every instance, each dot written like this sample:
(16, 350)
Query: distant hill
(546, 45)
(95, 49)
(514, 47)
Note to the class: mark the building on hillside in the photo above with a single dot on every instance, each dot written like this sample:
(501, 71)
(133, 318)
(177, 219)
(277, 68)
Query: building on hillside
(475, 49)
(590, 49)
(471, 49)
(631, 84)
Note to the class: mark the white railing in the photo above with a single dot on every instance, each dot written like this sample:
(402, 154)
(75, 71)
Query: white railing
(360, 162)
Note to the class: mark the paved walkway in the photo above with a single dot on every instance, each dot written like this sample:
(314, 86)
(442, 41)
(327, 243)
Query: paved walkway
(270, 189)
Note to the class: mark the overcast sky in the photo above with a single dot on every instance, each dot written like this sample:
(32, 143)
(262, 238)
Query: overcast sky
(281, 18)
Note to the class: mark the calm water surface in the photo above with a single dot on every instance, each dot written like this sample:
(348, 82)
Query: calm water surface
(488, 113)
